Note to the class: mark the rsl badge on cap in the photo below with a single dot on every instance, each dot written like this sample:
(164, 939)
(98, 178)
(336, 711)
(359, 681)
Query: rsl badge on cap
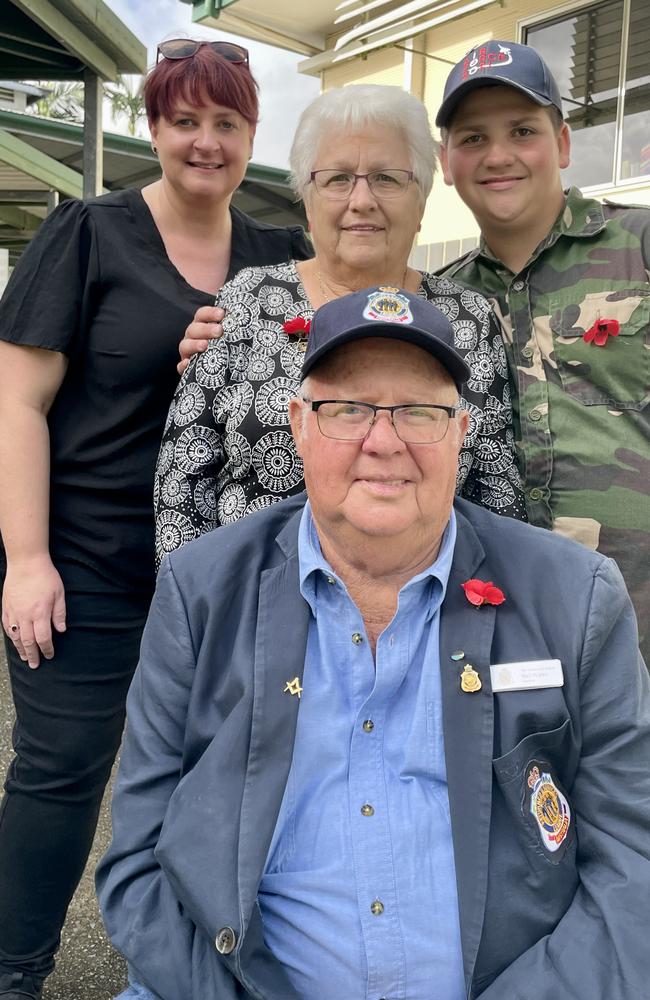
(387, 305)
(548, 809)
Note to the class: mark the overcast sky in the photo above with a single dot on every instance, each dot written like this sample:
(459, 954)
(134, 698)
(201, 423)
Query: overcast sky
(283, 91)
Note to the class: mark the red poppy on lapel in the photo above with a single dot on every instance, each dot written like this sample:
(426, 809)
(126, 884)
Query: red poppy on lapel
(479, 592)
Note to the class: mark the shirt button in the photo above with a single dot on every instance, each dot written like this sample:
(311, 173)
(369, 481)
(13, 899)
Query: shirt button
(536, 493)
(377, 908)
(367, 810)
(226, 941)
(357, 638)
(517, 286)
(368, 726)
(535, 415)
(331, 580)
(527, 352)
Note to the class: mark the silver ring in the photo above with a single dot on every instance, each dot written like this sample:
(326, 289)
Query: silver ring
(14, 628)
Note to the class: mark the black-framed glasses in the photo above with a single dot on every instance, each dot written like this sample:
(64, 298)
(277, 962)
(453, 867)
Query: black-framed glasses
(339, 184)
(349, 420)
(184, 48)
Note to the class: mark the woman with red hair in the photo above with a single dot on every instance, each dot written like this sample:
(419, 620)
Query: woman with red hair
(89, 331)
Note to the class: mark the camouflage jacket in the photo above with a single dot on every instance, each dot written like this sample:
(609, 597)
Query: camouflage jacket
(581, 409)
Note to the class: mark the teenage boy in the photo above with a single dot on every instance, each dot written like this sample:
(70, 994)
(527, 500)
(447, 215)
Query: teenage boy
(568, 277)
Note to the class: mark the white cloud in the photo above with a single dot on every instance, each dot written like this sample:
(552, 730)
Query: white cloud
(283, 91)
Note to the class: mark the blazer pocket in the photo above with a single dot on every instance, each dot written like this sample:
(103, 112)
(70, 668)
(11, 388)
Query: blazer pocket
(529, 777)
(616, 374)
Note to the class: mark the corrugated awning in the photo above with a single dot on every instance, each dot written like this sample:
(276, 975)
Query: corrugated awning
(382, 24)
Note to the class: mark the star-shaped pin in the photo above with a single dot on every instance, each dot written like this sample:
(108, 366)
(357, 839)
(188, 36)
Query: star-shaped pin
(293, 687)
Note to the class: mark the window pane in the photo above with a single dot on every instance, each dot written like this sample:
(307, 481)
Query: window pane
(636, 129)
(583, 53)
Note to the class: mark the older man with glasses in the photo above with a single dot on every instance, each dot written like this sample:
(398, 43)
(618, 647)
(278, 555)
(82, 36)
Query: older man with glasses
(381, 743)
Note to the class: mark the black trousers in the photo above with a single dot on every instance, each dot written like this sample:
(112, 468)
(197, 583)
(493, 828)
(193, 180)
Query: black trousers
(70, 715)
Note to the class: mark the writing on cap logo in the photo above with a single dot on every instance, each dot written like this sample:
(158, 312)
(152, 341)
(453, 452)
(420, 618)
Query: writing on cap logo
(387, 305)
(479, 59)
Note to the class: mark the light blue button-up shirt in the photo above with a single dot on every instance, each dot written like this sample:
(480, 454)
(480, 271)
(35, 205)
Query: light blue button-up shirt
(359, 899)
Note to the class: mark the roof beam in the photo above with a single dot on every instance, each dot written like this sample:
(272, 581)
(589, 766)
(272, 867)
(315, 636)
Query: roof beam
(121, 44)
(18, 219)
(49, 172)
(51, 20)
(29, 197)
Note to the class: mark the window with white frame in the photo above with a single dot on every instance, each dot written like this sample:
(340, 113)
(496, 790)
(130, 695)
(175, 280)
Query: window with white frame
(600, 57)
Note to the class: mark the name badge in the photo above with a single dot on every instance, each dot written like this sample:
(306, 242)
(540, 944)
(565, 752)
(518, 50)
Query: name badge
(526, 675)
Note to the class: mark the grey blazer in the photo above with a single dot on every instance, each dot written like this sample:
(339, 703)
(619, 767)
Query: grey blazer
(209, 743)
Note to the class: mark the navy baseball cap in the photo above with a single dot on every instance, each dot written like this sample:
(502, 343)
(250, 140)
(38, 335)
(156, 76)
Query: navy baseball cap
(495, 64)
(384, 311)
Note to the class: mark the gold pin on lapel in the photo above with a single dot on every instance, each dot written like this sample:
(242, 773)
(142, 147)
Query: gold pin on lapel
(470, 680)
(293, 687)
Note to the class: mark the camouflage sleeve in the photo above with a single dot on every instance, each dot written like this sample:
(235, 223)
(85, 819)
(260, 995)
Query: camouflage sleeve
(191, 454)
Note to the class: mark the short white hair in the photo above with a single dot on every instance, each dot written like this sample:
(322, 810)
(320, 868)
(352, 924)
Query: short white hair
(354, 108)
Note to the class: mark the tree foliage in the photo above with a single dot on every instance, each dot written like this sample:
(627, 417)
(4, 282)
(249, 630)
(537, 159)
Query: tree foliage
(65, 100)
(126, 101)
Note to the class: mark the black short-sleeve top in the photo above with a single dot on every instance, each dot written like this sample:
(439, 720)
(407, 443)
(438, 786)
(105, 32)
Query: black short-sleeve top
(96, 284)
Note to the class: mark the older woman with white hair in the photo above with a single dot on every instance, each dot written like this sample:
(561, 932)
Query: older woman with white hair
(363, 161)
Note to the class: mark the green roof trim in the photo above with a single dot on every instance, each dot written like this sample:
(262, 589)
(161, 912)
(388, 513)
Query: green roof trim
(114, 142)
(52, 174)
(55, 128)
(209, 8)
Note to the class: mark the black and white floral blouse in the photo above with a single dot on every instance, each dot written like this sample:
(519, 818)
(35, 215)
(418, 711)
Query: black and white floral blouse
(227, 448)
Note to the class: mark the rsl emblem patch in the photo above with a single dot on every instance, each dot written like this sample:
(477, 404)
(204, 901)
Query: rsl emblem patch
(387, 305)
(547, 809)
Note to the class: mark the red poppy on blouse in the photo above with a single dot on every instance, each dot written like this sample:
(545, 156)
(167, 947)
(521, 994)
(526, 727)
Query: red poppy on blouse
(479, 592)
(601, 330)
(299, 326)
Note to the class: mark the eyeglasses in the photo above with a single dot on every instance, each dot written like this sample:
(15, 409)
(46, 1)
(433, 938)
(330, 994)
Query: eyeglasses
(183, 48)
(339, 184)
(414, 423)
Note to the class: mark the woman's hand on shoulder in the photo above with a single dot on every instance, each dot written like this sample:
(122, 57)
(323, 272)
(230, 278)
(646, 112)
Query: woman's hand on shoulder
(205, 326)
(33, 599)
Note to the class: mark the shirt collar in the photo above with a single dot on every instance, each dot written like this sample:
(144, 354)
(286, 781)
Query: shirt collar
(581, 217)
(312, 562)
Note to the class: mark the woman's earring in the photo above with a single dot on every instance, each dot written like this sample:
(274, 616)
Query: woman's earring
(154, 149)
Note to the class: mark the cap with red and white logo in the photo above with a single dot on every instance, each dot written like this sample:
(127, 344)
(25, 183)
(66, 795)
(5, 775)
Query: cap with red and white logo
(495, 64)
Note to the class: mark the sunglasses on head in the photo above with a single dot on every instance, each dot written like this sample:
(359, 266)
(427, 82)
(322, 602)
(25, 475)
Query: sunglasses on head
(184, 48)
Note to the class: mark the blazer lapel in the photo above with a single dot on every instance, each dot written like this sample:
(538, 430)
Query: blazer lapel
(468, 723)
(280, 644)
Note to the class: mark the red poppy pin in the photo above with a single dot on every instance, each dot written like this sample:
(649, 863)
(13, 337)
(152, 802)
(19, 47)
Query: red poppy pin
(298, 327)
(601, 331)
(479, 592)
